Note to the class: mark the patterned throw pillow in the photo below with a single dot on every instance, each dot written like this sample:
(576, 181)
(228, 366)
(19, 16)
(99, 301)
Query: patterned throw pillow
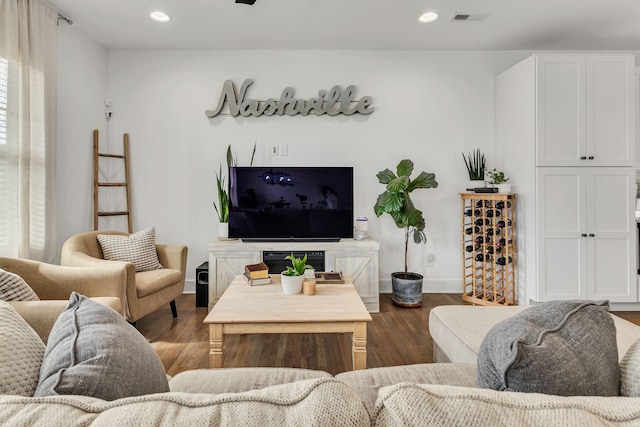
(14, 288)
(21, 352)
(93, 351)
(137, 248)
(630, 372)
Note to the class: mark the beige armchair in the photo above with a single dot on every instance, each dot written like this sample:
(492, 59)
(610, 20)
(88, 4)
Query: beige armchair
(54, 284)
(146, 291)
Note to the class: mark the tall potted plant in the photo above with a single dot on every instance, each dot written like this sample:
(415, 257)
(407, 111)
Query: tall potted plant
(224, 205)
(406, 286)
(476, 166)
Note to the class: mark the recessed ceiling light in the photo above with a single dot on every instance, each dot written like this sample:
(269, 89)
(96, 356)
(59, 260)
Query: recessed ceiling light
(160, 16)
(427, 17)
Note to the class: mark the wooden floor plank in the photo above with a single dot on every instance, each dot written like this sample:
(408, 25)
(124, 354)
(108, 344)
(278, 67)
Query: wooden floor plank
(395, 336)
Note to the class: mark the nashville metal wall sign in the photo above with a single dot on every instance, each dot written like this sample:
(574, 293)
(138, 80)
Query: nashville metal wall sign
(334, 102)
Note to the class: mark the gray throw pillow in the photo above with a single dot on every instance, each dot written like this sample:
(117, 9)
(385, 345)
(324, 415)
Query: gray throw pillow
(565, 348)
(93, 351)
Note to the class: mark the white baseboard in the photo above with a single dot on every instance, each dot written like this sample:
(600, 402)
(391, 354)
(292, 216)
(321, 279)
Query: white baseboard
(189, 287)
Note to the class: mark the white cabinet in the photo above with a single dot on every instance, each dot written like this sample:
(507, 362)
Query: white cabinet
(584, 108)
(565, 132)
(586, 233)
(356, 258)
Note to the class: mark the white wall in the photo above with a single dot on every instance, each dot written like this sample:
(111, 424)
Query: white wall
(430, 106)
(82, 88)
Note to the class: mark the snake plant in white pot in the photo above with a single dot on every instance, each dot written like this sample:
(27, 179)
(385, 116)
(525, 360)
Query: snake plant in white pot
(224, 205)
(406, 286)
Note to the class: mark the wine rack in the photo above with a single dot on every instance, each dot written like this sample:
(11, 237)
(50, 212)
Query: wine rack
(488, 248)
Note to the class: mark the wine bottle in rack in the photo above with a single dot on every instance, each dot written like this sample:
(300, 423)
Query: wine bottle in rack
(480, 221)
(479, 239)
(502, 223)
(500, 204)
(475, 212)
(471, 230)
(503, 242)
(483, 257)
(503, 261)
(468, 248)
(491, 231)
(490, 213)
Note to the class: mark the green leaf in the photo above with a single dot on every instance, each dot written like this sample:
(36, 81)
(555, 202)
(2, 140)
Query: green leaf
(385, 176)
(398, 185)
(424, 180)
(405, 168)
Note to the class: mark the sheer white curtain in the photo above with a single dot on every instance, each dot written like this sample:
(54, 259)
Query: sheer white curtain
(27, 129)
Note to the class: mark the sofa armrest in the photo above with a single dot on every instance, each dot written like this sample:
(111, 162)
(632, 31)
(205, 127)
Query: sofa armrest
(55, 282)
(172, 256)
(41, 315)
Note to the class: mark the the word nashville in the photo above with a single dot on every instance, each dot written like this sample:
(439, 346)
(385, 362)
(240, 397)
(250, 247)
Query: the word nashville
(334, 102)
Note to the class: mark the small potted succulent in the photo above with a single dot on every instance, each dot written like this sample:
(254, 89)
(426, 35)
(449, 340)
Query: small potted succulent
(498, 179)
(293, 276)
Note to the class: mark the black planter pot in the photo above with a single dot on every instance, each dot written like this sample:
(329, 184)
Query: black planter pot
(406, 289)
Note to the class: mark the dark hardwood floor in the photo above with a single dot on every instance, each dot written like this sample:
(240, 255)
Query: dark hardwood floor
(396, 336)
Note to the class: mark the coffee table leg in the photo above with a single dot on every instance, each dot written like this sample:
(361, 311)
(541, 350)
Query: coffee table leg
(359, 345)
(216, 346)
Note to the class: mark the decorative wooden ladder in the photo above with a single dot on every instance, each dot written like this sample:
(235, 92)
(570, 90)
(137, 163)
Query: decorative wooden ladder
(97, 184)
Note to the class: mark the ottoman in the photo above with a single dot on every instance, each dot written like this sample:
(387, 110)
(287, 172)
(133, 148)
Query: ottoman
(458, 330)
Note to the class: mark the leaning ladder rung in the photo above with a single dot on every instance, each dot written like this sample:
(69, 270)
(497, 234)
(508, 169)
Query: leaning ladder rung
(115, 156)
(112, 184)
(113, 213)
(97, 184)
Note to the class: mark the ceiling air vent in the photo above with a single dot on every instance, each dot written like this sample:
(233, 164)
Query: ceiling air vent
(468, 17)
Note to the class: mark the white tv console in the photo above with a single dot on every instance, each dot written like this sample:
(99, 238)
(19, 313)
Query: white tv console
(357, 258)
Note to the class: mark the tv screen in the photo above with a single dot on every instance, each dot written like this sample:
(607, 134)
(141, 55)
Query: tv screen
(291, 203)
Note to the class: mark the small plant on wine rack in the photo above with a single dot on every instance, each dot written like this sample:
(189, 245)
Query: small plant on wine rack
(476, 165)
(497, 176)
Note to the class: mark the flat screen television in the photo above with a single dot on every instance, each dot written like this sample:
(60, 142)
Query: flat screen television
(291, 203)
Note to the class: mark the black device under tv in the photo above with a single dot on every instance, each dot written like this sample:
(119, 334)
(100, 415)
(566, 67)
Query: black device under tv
(291, 203)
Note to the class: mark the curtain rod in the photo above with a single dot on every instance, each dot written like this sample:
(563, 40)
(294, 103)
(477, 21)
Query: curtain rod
(64, 18)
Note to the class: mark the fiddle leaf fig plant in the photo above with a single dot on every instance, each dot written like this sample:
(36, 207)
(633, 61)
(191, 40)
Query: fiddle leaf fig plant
(396, 201)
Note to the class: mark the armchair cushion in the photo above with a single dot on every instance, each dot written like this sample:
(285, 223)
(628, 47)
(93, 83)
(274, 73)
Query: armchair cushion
(93, 351)
(14, 288)
(149, 282)
(21, 352)
(138, 248)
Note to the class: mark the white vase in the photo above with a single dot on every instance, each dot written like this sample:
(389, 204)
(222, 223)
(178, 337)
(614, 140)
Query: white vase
(291, 285)
(223, 231)
(504, 188)
(479, 183)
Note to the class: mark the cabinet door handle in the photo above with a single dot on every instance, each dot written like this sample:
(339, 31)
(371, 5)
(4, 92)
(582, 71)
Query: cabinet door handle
(592, 235)
(590, 157)
(584, 234)
(583, 157)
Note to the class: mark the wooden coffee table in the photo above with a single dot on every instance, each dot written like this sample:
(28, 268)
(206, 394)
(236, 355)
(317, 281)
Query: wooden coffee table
(265, 309)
